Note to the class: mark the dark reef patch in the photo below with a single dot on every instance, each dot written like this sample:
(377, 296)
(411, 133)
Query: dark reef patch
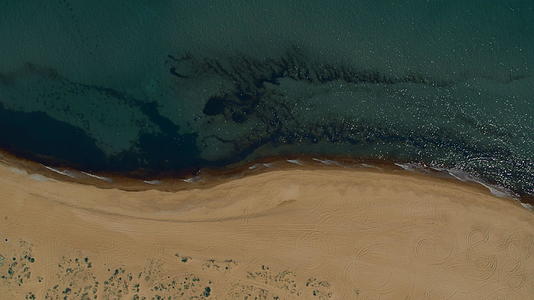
(249, 77)
(37, 136)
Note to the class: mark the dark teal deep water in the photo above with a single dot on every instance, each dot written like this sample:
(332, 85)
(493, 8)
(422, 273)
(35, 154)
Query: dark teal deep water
(180, 85)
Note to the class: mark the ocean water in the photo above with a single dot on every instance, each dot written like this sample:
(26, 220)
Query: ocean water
(157, 86)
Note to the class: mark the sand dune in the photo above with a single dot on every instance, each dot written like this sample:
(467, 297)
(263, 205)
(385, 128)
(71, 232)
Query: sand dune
(293, 234)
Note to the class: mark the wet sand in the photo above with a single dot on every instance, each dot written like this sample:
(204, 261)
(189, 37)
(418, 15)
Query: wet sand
(283, 234)
(205, 178)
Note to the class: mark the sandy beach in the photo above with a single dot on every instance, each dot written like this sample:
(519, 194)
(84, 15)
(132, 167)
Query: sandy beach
(283, 234)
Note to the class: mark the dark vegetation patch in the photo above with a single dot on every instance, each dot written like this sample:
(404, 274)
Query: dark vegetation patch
(16, 262)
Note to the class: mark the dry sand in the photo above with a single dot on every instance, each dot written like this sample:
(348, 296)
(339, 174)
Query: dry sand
(293, 234)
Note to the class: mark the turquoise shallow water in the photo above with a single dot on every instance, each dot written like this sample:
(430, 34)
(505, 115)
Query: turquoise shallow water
(180, 85)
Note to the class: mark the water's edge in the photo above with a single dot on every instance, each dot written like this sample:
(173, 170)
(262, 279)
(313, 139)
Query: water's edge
(206, 178)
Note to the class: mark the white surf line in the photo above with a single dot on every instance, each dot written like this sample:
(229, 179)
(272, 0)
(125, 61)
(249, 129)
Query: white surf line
(462, 176)
(152, 181)
(64, 173)
(415, 167)
(295, 161)
(192, 179)
(97, 177)
(327, 162)
(410, 166)
(404, 167)
(458, 174)
(466, 177)
(265, 165)
(496, 191)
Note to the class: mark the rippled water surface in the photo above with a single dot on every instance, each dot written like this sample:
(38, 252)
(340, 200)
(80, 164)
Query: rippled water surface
(180, 85)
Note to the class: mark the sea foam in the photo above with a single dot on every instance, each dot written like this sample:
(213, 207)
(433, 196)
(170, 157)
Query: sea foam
(64, 172)
(152, 182)
(295, 162)
(97, 177)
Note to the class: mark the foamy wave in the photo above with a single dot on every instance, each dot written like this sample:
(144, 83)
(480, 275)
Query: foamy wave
(461, 175)
(258, 165)
(152, 182)
(457, 173)
(64, 172)
(192, 179)
(295, 162)
(97, 177)
(327, 162)
(496, 190)
(416, 167)
(409, 166)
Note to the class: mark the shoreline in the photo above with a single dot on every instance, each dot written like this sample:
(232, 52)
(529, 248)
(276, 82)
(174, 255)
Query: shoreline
(210, 177)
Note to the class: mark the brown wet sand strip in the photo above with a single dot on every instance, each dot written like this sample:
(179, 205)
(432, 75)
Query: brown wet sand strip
(207, 178)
